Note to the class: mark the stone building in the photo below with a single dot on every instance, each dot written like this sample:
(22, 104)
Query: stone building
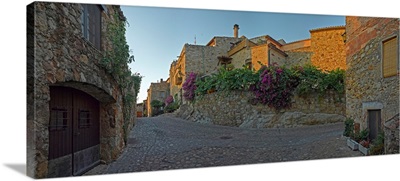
(139, 110)
(157, 91)
(372, 76)
(324, 49)
(75, 107)
(200, 59)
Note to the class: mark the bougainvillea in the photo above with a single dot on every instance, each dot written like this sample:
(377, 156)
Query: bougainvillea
(275, 87)
(168, 100)
(189, 86)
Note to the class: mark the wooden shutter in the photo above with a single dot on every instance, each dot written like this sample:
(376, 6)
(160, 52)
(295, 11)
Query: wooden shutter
(390, 57)
(94, 25)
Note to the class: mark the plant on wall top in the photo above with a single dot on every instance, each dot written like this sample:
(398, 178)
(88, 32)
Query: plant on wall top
(313, 80)
(226, 80)
(275, 86)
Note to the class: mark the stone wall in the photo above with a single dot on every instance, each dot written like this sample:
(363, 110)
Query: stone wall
(240, 57)
(392, 133)
(201, 59)
(58, 55)
(327, 45)
(234, 109)
(275, 56)
(297, 58)
(366, 88)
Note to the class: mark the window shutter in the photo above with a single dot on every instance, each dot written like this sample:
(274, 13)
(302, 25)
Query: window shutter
(390, 57)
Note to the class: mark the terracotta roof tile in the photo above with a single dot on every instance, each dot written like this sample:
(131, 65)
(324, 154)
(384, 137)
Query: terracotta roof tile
(328, 28)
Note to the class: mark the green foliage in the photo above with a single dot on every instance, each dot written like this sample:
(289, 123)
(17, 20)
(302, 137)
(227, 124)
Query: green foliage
(156, 104)
(117, 59)
(364, 135)
(171, 107)
(378, 144)
(226, 80)
(273, 85)
(334, 80)
(129, 99)
(136, 79)
(313, 80)
(349, 127)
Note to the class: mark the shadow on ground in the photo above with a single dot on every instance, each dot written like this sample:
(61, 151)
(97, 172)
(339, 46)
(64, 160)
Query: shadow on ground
(18, 167)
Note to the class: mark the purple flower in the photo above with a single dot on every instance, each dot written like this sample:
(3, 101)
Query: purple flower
(279, 71)
(189, 86)
(169, 100)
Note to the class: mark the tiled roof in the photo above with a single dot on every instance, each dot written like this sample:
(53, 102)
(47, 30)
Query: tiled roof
(328, 28)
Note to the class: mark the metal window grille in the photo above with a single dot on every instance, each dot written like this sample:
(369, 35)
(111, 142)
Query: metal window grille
(58, 119)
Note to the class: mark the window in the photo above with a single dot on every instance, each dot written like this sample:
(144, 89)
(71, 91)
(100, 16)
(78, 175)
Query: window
(58, 119)
(162, 94)
(91, 24)
(390, 57)
(84, 119)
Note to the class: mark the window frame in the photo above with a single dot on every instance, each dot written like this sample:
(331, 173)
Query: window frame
(84, 119)
(86, 24)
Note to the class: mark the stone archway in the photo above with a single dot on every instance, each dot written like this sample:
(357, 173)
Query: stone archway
(74, 139)
(107, 139)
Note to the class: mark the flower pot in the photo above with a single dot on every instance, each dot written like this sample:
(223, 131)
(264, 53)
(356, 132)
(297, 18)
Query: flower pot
(353, 145)
(363, 149)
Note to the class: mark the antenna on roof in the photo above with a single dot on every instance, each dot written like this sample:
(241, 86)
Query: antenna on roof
(195, 39)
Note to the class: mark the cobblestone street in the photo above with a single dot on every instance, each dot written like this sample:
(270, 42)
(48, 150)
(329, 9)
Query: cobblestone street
(166, 142)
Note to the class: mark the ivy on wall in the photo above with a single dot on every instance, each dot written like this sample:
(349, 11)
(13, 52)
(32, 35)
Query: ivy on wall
(116, 61)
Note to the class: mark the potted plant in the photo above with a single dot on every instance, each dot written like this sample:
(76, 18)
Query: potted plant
(377, 146)
(364, 142)
(350, 134)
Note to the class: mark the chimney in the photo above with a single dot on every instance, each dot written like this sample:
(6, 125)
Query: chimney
(161, 80)
(236, 30)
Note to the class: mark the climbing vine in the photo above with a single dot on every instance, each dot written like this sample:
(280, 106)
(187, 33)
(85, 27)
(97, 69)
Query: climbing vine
(116, 61)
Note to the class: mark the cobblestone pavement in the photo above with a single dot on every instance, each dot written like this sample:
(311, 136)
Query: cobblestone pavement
(166, 142)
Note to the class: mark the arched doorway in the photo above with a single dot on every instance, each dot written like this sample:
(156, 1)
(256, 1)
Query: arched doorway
(74, 142)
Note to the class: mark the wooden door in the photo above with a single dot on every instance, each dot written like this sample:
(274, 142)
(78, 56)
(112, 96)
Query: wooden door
(374, 123)
(74, 128)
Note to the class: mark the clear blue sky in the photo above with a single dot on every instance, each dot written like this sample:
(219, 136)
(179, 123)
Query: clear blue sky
(157, 35)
